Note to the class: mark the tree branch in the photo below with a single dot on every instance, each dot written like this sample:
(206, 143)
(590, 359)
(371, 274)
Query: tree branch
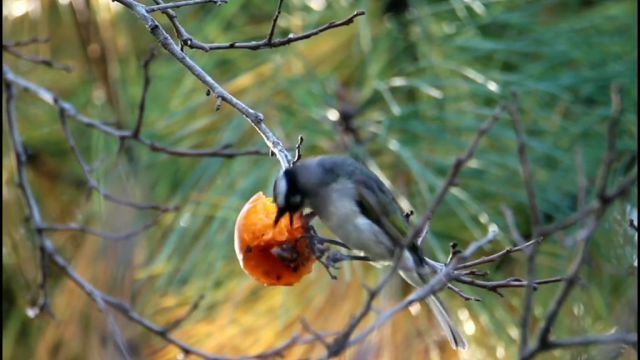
(421, 230)
(179, 4)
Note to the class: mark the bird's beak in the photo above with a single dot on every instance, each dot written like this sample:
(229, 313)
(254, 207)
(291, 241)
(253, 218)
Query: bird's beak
(279, 214)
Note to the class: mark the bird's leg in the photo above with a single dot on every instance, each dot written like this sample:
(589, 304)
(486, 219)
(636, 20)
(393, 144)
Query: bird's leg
(334, 258)
(329, 258)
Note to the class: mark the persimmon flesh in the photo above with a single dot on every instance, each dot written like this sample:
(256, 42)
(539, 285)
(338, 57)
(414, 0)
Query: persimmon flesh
(272, 254)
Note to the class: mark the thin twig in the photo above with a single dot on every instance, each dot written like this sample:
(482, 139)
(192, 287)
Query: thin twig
(255, 118)
(46, 247)
(615, 338)
(26, 42)
(610, 153)
(436, 283)
(527, 174)
(495, 286)
(298, 154)
(581, 180)
(459, 163)
(511, 224)
(274, 22)
(93, 184)
(534, 214)
(341, 342)
(101, 234)
(498, 255)
(36, 59)
(145, 89)
(460, 293)
(179, 4)
(174, 324)
(52, 99)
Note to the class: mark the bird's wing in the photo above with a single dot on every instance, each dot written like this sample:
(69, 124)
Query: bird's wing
(387, 215)
(377, 203)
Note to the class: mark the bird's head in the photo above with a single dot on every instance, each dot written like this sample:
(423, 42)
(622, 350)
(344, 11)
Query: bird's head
(288, 197)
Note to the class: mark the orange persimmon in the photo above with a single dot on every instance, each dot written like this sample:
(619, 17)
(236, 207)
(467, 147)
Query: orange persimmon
(271, 254)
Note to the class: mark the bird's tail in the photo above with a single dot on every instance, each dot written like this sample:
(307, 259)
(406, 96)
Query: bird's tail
(455, 337)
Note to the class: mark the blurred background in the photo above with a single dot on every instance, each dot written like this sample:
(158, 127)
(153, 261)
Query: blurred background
(405, 88)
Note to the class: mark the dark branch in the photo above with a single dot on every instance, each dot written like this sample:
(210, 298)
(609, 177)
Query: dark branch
(101, 234)
(189, 41)
(25, 42)
(421, 230)
(93, 184)
(52, 99)
(35, 59)
(274, 22)
(145, 89)
(179, 4)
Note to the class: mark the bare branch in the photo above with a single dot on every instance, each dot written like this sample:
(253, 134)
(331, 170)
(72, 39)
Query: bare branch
(145, 88)
(511, 223)
(592, 216)
(341, 342)
(46, 247)
(460, 293)
(93, 184)
(256, 119)
(534, 213)
(189, 41)
(179, 4)
(26, 42)
(527, 174)
(52, 99)
(459, 163)
(174, 324)
(615, 338)
(610, 153)
(35, 59)
(436, 283)
(101, 234)
(274, 22)
(583, 239)
(495, 286)
(498, 255)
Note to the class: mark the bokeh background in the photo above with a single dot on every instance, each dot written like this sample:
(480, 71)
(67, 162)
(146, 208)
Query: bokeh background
(405, 87)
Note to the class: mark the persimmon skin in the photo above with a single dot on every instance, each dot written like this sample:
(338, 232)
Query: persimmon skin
(274, 255)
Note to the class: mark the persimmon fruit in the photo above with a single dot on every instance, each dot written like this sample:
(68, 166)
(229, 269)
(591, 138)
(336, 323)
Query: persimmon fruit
(272, 254)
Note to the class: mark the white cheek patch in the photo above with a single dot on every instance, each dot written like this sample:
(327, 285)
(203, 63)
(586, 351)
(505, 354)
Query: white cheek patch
(281, 190)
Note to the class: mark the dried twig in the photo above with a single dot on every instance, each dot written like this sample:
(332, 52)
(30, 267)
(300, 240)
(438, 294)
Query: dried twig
(145, 89)
(46, 247)
(497, 256)
(274, 22)
(70, 111)
(421, 230)
(101, 234)
(179, 4)
(174, 324)
(511, 224)
(534, 213)
(26, 42)
(34, 59)
(93, 184)
(256, 119)
(591, 217)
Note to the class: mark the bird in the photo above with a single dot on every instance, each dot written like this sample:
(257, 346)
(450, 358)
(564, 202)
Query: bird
(363, 213)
